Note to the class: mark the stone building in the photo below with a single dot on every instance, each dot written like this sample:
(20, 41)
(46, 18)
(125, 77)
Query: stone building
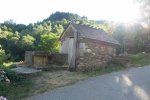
(87, 48)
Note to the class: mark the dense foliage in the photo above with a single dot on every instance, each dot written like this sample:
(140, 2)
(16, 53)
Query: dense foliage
(18, 38)
(3, 56)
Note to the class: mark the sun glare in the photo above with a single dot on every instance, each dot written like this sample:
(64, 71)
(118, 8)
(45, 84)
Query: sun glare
(129, 14)
(124, 11)
(114, 10)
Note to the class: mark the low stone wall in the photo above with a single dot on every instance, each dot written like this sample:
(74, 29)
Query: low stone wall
(93, 55)
(58, 59)
(41, 59)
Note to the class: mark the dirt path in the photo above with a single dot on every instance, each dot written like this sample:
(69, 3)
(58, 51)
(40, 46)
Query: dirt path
(48, 80)
(131, 84)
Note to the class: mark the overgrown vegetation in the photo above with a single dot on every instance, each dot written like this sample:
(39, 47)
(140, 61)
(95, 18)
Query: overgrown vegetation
(15, 91)
(140, 59)
(18, 87)
(3, 56)
(8, 65)
(23, 87)
(49, 42)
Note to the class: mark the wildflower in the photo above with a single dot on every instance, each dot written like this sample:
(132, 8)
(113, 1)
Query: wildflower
(2, 98)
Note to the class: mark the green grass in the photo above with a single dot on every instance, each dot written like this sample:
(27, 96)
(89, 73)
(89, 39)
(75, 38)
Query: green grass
(103, 70)
(19, 86)
(8, 64)
(15, 91)
(140, 59)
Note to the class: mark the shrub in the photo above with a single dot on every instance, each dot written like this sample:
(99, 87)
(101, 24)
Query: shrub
(13, 76)
(9, 65)
(49, 42)
(18, 88)
(3, 77)
(140, 59)
(3, 56)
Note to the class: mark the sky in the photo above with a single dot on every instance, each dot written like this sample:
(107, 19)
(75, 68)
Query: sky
(31, 11)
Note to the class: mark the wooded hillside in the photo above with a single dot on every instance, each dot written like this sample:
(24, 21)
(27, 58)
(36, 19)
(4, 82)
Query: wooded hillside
(15, 39)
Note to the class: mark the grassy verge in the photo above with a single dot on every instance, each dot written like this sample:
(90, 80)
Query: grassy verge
(113, 66)
(15, 91)
(19, 85)
(22, 87)
(140, 59)
(104, 70)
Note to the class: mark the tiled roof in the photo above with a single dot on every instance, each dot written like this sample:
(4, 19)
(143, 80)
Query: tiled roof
(97, 34)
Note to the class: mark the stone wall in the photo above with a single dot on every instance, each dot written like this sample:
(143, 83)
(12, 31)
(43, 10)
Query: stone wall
(93, 54)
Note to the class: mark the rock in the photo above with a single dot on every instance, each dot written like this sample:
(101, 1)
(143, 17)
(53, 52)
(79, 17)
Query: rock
(7, 80)
(25, 70)
(3, 77)
(2, 98)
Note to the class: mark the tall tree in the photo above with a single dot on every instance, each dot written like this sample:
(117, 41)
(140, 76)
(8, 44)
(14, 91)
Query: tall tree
(49, 42)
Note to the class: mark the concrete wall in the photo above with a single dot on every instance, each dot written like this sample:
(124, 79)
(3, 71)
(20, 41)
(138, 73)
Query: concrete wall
(58, 59)
(28, 57)
(93, 54)
(68, 48)
(64, 46)
(40, 59)
(71, 48)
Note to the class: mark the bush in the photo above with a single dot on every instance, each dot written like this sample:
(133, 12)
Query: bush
(3, 77)
(3, 56)
(18, 88)
(49, 42)
(13, 76)
(140, 59)
(9, 65)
